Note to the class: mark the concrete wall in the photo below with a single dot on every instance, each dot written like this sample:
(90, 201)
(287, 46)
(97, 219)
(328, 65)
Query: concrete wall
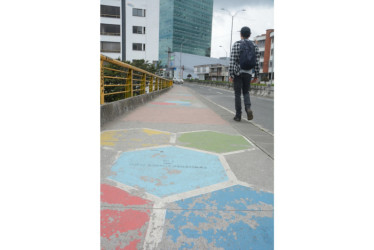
(110, 111)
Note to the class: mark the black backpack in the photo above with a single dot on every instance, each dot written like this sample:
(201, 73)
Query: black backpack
(247, 58)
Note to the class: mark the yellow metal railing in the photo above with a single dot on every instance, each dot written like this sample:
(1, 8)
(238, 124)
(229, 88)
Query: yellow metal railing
(119, 80)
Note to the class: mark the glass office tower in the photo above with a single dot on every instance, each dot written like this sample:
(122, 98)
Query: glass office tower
(185, 26)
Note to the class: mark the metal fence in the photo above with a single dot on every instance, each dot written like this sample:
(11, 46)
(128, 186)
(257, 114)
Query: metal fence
(119, 80)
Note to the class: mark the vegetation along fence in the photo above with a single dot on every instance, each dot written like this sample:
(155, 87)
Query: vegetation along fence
(119, 80)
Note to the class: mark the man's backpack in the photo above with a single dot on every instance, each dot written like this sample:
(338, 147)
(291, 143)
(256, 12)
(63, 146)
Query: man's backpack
(247, 57)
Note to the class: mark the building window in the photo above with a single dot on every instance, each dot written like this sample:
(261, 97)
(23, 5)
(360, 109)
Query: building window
(138, 30)
(272, 51)
(110, 11)
(138, 12)
(271, 64)
(261, 64)
(138, 46)
(110, 47)
(110, 29)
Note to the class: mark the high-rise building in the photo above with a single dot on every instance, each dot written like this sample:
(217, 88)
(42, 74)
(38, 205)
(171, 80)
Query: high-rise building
(185, 26)
(129, 29)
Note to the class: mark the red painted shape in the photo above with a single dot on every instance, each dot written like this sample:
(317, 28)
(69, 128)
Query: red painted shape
(114, 221)
(132, 245)
(186, 115)
(163, 103)
(113, 195)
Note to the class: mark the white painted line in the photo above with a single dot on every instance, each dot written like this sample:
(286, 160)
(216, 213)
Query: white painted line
(131, 190)
(238, 152)
(242, 183)
(199, 191)
(153, 147)
(192, 131)
(219, 93)
(173, 138)
(155, 226)
(198, 150)
(226, 166)
(254, 124)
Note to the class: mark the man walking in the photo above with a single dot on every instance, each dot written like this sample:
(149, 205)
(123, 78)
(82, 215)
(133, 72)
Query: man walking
(244, 59)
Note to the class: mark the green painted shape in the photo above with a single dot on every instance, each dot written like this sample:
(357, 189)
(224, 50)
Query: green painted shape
(214, 142)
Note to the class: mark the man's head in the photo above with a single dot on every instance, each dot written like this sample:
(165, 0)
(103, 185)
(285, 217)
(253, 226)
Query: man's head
(245, 32)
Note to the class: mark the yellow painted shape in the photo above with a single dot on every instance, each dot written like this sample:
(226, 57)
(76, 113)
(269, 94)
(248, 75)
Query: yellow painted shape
(148, 145)
(154, 132)
(109, 138)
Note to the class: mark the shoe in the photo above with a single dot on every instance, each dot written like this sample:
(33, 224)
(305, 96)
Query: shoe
(237, 118)
(249, 114)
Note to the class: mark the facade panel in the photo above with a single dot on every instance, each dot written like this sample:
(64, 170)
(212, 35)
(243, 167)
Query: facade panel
(185, 26)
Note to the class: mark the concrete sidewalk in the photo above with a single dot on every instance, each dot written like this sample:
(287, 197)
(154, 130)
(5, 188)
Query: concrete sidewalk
(179, 173)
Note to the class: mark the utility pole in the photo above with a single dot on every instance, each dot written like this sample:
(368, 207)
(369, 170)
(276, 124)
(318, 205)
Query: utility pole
(232, 23)
(180, 61)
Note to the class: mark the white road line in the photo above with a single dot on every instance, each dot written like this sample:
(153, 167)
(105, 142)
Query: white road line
(155, 226)
(200, 191)
(131, 190)
(226, 166)
(219, 93)
(254, 124)
(173, 138)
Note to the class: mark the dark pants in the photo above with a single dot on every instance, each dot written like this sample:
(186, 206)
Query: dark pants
(242, 84)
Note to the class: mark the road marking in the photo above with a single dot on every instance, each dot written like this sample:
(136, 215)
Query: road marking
(219, 93)
(155, 226)
(173, 138)
(254, 124)
(200, 191)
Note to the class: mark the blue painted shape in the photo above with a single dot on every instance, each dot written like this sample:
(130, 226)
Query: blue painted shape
(168, 170)
(237, 207)
(183, 103)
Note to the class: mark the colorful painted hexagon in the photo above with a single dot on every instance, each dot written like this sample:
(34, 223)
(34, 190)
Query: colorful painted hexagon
(214, 141)
(232, 218)
(168, 170)
(130, 139)
(121, 227)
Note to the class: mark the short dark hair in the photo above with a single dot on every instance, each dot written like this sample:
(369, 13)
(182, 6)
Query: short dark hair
(245, 32)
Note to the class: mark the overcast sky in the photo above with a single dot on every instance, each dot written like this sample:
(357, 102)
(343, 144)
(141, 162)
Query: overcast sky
(259, 16)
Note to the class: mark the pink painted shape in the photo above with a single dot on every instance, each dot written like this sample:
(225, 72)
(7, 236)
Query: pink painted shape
(132, 245)
(113, 195)
(186, 115)
(114, 221)
(163, 103)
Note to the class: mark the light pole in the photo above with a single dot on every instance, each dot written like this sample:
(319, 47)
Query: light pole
(180, 60)
(232, 22)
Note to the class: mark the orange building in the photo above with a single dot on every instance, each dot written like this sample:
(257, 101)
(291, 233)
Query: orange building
(265, 43)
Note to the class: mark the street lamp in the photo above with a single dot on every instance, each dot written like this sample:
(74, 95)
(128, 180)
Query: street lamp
(232, 21)
(180, 60)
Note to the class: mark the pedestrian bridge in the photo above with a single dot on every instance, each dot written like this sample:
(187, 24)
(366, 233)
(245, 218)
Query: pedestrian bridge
(176, 171)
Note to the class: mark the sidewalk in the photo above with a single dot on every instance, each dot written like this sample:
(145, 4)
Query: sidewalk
(179, 173)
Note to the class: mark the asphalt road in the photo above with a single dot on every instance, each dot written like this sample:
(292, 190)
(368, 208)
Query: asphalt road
(263, 108)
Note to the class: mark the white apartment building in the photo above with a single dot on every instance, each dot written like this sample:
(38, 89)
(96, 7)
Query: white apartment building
(133, 33)
(110, 28)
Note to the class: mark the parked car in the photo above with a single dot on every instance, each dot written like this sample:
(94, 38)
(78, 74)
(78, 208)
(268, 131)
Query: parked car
(177, 81)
